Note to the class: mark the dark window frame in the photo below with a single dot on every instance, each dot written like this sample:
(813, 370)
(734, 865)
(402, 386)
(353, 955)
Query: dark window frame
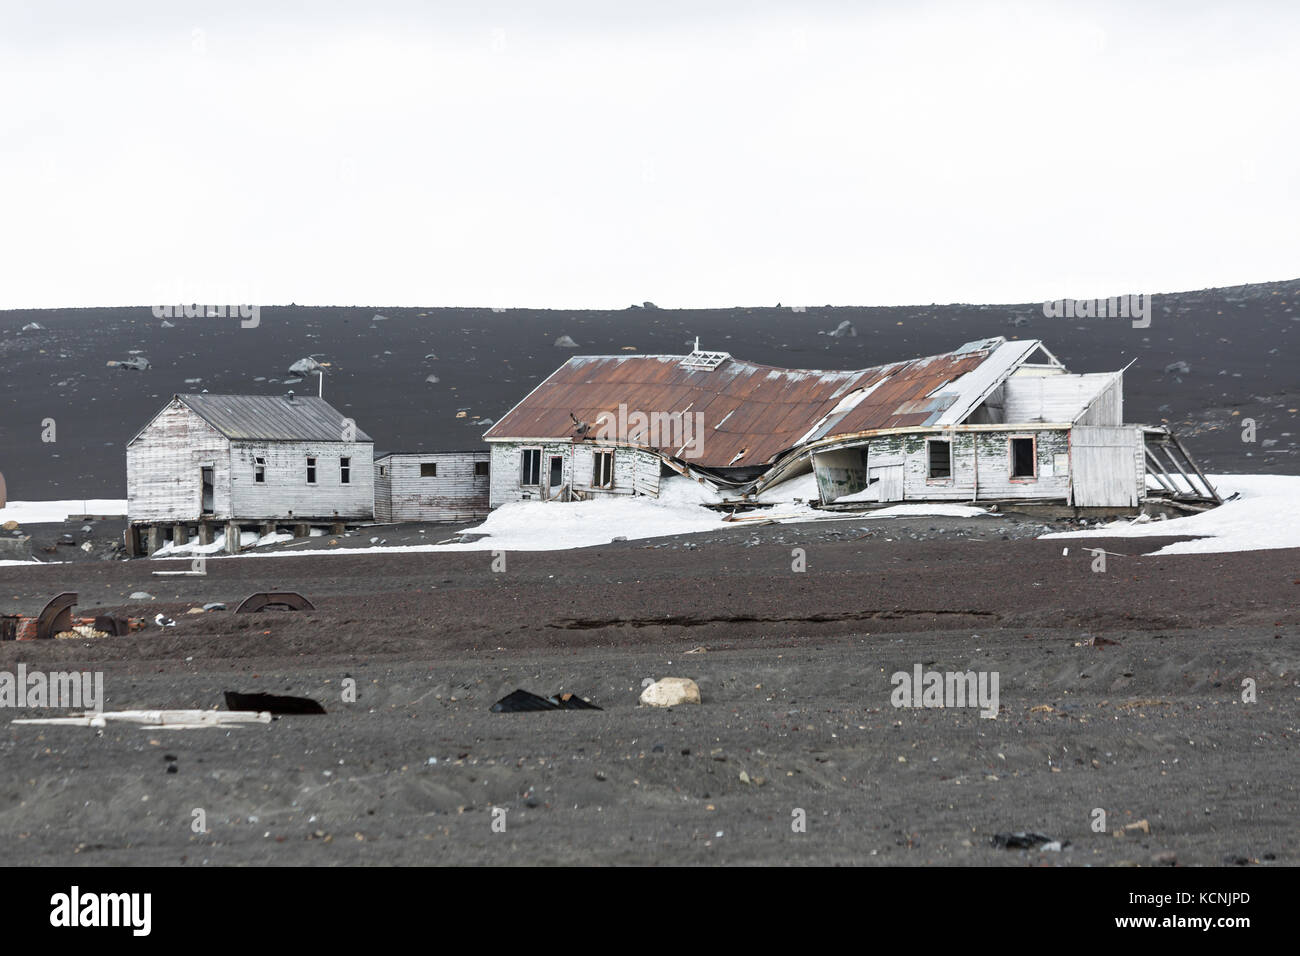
(311, 469)
(345, 470)
(533, 455)
(930, 476)
(259, 471)
(598, 472)
(432, 473)
(1011, 457)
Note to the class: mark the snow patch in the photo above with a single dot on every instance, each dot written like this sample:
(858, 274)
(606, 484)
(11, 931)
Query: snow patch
(1266, 516)
(55, 512)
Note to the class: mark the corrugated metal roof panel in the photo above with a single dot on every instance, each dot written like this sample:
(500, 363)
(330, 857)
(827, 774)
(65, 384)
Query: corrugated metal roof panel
(760, 410)
(271, 417)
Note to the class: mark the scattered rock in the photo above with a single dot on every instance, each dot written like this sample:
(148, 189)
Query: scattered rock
(564, 342)
(139, 363)
(214, 606)
(1178, 368)
(844, 330)
(304, 366)
(671, 691)
(141, 596)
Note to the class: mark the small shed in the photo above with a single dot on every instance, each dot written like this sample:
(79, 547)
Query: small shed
(256, 461)
(432, 486)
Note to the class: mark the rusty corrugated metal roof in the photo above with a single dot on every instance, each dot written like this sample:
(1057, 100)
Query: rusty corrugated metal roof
(750, 413)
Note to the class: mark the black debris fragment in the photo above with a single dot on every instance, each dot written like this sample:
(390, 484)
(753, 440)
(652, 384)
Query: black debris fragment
(521, 701)
(1024, 840)
(272, 703)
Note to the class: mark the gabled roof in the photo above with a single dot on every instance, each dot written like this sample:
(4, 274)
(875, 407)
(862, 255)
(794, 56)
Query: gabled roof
(271, 417)
(752, 413)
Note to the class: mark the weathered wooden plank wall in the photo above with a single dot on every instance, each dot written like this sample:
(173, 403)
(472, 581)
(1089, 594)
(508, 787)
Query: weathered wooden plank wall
(456, 493)
(636, 471)
(286, 494)
(163, 467)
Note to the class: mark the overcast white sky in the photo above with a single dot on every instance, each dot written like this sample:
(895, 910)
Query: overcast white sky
(593, 154)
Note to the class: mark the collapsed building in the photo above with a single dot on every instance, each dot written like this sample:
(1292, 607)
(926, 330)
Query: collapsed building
(992, 421)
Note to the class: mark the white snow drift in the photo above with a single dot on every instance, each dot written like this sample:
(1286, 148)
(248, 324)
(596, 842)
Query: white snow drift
(1266, 516)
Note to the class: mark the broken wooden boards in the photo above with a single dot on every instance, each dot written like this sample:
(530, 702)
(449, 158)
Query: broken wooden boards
(165, 719)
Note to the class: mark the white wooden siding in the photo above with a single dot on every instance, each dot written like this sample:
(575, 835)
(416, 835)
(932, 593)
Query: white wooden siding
(163, 462)
(456, 493)
(1108, 407)
(636, 471)
(1055, 398)
(1107, 466)
(285, 495)
(994, 480)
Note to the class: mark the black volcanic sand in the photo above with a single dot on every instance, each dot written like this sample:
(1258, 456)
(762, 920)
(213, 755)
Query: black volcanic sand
(1237, 342)
(794, 670)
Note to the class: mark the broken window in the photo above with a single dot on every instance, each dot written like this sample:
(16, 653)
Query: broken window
(557, 471)
(1022, 458)
(530, 466)
(259, 470)
(428, 469)
(311, 471)
(939, 454)
(480, 469)
(383, 471)
(602, 469)
(345, 471)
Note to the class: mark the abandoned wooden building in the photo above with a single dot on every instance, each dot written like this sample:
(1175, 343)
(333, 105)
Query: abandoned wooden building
(432, 486)
(994, 420)
(225, 463)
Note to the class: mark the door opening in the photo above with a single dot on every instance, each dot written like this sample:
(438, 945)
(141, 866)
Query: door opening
(209, 490)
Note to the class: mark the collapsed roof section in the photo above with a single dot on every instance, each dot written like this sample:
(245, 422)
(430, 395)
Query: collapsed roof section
(754, 416)
(752, 413)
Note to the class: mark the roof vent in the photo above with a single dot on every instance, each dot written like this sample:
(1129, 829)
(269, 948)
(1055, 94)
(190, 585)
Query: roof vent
(704, 361)
(289, 396)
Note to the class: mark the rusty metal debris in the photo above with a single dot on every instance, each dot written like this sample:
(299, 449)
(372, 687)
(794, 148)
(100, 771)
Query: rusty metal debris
(288, 600)
(56, 620)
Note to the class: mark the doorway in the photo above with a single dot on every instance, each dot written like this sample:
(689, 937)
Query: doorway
(208, 484)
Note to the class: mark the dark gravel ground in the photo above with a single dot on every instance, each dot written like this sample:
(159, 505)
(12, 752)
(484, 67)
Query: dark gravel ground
(794, 671)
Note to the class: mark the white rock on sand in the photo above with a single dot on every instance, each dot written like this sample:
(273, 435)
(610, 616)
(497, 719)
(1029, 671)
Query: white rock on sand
(671, 691)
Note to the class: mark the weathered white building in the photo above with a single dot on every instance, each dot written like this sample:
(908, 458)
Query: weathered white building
(254, 461)
(432, 486)
(994, 420)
